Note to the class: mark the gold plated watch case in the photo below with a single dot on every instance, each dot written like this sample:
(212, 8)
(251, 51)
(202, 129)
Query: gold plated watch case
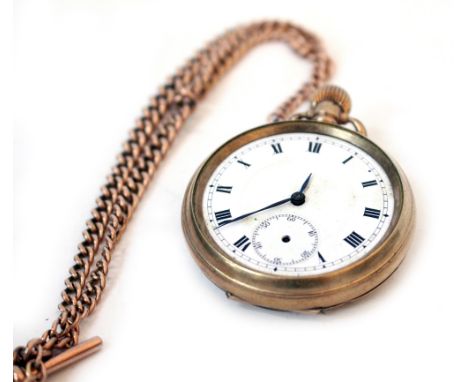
(308, 292)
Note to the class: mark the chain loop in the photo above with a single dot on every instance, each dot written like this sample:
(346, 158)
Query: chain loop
(142, 152)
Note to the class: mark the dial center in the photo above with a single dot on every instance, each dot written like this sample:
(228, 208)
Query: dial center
(298, 198)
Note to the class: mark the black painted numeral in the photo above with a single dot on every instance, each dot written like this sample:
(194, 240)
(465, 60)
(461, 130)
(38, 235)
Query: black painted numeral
(347, 159)
(369, 183)
(221, 216)
(315, 147)
(277, 148)
(243, 243)
(245, 164)
(371, 213)
(354, 239)
(225, 189)
(321, 258)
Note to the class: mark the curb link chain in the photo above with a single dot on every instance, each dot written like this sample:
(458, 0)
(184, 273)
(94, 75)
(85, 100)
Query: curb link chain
(136, 164)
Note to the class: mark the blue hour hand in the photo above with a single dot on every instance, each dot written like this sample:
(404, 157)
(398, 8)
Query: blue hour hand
(306, 183)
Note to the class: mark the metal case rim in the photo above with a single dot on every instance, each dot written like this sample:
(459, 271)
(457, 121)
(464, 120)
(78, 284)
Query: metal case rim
(306, 291)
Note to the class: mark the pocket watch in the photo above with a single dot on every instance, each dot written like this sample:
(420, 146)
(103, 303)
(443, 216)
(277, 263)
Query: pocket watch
(303, 214)
(300, 214)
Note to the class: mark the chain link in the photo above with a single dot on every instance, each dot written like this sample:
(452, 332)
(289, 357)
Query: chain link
(136, 164)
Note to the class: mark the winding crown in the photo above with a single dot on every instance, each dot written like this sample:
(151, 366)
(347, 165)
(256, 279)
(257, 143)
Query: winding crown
(330, 104)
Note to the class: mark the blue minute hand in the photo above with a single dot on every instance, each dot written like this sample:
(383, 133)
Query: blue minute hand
(254, 212)
(297, 198)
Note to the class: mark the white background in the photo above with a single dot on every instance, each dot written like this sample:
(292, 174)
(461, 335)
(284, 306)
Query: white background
(83, 72)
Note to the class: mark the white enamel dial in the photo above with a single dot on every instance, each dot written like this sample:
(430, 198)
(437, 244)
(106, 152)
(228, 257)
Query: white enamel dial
(346, 206)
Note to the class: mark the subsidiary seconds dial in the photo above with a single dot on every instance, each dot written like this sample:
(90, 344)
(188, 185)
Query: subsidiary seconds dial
(339, 197)
(285, 239)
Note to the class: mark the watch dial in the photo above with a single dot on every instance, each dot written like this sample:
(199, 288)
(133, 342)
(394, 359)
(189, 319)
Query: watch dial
(298, 204)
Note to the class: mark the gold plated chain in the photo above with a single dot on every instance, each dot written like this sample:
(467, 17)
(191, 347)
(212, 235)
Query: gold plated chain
(137, 162)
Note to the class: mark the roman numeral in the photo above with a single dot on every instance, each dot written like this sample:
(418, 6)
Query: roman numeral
(243, 243)
(321, 258)
(222, 215)
(243, 163)
(369, 183)
(371, 213)
(347, 159)
(225, 189)
(277, 148)
(354, 239)
(315, 147)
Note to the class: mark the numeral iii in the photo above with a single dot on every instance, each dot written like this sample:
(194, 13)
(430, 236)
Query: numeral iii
(371, 213)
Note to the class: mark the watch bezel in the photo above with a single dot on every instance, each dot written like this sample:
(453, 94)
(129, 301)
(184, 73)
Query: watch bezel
(292, 292)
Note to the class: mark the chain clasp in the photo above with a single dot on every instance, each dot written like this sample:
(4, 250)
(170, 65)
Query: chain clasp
(74, 354)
